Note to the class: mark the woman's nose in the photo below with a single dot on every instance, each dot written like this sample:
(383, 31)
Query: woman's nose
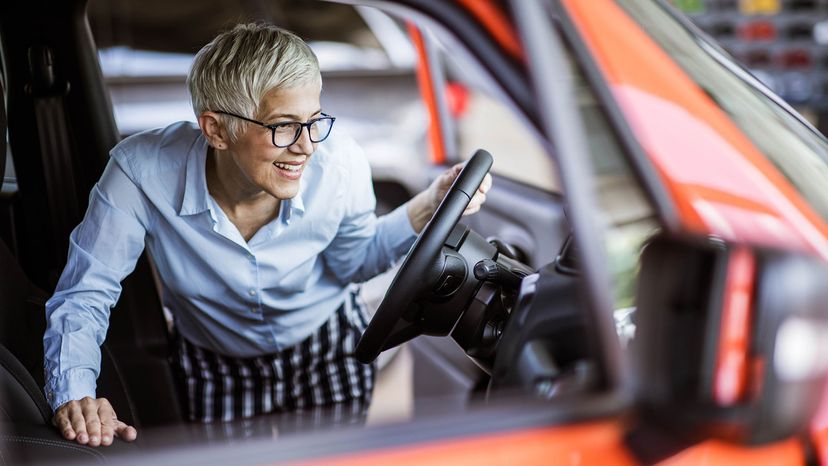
(303, 144)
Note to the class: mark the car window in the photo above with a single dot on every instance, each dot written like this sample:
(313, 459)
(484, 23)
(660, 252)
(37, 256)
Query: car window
(370, 85)
(799, 152)
(366, 58)
(627, 213)
(484, 121)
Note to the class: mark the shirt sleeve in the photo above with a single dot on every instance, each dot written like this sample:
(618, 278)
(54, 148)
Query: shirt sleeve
(103, 250)
(364, 245)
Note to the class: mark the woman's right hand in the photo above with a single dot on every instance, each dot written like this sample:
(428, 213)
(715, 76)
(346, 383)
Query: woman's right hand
(91, 422)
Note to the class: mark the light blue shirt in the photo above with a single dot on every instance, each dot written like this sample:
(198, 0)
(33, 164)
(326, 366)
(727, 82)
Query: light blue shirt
(235, 297)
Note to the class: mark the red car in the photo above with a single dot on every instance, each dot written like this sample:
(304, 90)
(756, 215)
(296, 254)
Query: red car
(647, 282)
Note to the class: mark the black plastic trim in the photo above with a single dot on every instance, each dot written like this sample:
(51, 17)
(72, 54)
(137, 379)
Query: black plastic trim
(507, 72)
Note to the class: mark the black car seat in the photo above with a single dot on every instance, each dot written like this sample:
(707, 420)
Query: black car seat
(26, 434)
(63, 127)
(20, 354)
(22, 401)
(22, 323)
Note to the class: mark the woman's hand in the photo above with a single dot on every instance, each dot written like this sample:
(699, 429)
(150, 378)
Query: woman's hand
(423, 205)
(91, 422)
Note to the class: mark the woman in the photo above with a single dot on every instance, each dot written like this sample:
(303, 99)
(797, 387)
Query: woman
(256, 228)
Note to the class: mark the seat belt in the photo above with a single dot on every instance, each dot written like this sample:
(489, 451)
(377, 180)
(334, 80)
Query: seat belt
(48, 95)
(7, 195)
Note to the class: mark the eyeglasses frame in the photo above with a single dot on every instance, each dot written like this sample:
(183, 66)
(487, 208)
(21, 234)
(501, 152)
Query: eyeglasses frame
(272, 127)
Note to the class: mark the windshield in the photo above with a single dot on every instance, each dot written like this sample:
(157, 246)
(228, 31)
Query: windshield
(796, 149)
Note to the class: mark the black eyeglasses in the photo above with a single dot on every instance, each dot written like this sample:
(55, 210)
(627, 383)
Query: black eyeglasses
(287, 133)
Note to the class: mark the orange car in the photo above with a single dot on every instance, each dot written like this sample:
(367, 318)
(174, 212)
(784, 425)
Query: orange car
(647, 282)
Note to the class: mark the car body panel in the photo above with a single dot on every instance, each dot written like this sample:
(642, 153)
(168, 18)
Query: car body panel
(501, 28)
(598, 443)
(590, 444)
(715, 452)
(436, 137)
(745, 199)
(593, 443)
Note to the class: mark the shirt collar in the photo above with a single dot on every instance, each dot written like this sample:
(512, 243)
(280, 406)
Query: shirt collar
(296, 204)
(194, 200)
(195, 196)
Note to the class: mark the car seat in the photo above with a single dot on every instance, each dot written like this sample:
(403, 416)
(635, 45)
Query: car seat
(57, 159)
(26, 433)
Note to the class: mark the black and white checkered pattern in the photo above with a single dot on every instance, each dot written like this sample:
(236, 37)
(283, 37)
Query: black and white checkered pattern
(319, 371)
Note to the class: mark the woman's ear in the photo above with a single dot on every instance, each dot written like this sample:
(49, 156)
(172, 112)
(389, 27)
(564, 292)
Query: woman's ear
(213, 130)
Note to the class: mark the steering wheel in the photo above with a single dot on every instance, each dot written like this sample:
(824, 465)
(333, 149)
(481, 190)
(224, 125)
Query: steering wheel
(388, 327)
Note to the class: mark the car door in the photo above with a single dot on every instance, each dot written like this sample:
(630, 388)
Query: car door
(523, 211)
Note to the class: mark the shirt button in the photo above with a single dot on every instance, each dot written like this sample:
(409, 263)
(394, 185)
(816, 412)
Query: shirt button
(252, 292)
(254, 310)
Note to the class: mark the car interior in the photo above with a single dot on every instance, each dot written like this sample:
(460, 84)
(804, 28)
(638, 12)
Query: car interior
(61, 125)
(505, 284)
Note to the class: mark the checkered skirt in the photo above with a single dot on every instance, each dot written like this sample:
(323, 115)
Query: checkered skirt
(319, 371)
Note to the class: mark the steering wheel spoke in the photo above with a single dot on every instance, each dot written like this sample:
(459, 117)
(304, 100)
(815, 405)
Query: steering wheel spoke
(420, 270)
(402, 332)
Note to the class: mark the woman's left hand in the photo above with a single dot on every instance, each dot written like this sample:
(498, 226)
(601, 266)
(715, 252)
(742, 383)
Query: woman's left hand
(422, 206)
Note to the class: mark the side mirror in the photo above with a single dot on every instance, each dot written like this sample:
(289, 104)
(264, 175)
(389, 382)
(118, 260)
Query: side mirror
(731, 340)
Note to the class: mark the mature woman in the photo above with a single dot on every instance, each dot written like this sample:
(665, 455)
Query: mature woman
(256, 227)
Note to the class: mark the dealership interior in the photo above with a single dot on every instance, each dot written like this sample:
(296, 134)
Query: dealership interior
(784, 43)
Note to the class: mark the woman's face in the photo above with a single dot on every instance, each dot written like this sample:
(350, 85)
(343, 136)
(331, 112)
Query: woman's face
(263, 166)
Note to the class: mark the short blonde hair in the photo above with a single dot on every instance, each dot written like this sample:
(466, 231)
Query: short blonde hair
(235, 71)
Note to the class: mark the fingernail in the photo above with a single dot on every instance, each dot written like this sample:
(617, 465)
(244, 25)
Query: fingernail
(83, 437)
(94, 439)
(107, 439)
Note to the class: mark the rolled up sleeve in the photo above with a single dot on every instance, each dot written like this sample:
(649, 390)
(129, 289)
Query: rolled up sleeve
(103, 250)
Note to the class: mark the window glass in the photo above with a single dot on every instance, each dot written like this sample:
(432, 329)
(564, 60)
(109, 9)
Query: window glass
(369, 84)
(484, 121)
(798, 152)
(628, 215)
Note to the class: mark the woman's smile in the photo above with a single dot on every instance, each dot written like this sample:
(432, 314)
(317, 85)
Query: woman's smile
(290, 170)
